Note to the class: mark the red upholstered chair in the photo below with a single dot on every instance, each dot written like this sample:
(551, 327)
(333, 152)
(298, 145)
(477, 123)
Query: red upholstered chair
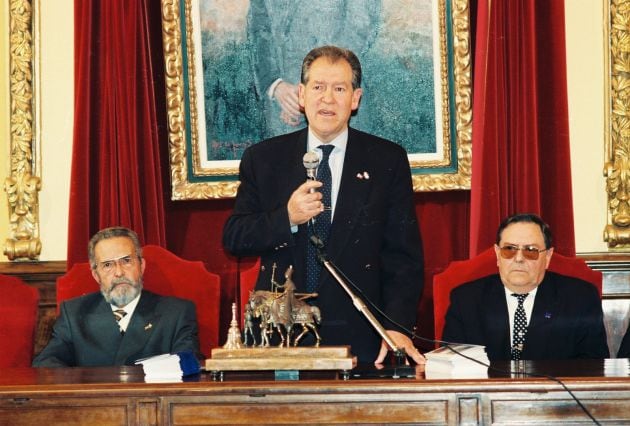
(168, 275)
(462, 271)
(18, 319)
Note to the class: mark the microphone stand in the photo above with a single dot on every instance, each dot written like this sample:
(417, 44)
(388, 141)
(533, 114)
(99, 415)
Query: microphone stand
(399, 353)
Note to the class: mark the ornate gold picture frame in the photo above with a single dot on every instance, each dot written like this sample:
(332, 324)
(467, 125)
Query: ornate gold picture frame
(197, 173)
(617, 144)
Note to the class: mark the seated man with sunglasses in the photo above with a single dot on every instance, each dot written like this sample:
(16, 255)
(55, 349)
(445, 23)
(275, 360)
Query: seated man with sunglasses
(525, 311)
(122, 323)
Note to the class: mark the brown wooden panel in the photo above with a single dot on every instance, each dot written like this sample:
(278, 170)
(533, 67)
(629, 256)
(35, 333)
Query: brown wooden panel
(147, 413)
(379, 412)
(66, 415)
(469, 410)
(557, 411)
(81, 395)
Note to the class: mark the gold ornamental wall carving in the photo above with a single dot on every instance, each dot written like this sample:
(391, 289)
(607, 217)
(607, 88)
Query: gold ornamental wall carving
(23, 184)
(616, 168)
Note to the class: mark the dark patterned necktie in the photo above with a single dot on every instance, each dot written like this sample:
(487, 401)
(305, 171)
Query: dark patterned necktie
(520, 327)
(321, 223)
(120, 314)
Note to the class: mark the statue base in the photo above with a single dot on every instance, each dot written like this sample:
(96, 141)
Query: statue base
(274, 358)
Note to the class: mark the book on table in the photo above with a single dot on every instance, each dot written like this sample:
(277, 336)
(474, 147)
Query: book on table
(169, 367)
(457, 361)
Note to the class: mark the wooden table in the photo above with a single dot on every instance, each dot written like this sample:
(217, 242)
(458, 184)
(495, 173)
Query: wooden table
(120, 396)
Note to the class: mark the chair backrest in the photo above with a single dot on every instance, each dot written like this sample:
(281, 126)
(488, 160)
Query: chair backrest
(18, 320)
(462, 271)
(168, 275)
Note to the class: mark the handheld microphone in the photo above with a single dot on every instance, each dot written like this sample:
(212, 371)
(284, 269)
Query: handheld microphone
(311, 162)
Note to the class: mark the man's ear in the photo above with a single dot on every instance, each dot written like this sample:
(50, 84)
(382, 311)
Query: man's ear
(356, 97)
(301, 89)
(548, 255)
(497, 252)
(95, 275)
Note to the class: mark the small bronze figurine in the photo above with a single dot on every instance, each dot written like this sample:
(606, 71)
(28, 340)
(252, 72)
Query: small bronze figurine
(281, 311)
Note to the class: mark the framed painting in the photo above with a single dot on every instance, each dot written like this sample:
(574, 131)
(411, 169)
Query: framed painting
(230, 62)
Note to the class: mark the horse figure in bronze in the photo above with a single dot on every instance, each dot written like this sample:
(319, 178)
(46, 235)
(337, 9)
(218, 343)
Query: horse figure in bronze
(280, 311)
(308, 317)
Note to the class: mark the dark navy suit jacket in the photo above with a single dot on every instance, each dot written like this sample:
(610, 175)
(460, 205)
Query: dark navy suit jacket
(86, 333)
(624, 349)
(566, 323)
(374, 238)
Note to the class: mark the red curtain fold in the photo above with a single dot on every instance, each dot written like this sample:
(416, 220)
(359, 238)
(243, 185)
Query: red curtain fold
(521, 156)
(116, 176)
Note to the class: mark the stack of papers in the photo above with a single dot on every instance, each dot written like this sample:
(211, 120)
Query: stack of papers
(169, 367)
(460, 362)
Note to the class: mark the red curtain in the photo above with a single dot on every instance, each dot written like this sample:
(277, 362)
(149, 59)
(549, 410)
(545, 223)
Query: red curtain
(116, 174)
(521, 157)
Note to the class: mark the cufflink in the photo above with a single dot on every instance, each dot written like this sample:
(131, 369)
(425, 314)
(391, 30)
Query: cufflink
(148, 326)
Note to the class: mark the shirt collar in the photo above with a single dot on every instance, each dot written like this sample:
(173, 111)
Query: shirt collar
(531, 294)
(340, 142)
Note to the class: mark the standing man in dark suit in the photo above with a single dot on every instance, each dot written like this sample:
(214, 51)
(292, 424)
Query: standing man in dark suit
(373, 238)
(524, 311)
(123, 322)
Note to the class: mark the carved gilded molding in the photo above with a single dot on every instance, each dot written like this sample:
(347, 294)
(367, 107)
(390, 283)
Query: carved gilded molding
(616, 168)
(23, 184)
(184, 188)
(462, 73)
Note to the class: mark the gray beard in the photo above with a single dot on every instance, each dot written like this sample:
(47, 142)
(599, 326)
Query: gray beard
(122, 295)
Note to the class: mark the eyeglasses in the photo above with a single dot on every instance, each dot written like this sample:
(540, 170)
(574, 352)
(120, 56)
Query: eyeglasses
(529, 252)
(125, 262)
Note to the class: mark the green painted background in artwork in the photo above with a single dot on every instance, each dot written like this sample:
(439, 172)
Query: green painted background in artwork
(398, 101)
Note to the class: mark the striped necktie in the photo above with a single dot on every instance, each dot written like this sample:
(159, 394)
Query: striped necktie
(120, 314)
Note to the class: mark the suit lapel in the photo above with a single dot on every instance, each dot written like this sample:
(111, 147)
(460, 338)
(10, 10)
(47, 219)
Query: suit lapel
(294, 165)
(101, 322)
(352, 194)
(296, 176)
(496, 318)
(540, 326)
(142, 325)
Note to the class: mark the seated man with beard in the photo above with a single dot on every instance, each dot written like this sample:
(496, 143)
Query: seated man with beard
(123, 322)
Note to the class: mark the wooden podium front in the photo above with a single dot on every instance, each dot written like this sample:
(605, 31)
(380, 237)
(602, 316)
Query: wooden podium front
(120, 396)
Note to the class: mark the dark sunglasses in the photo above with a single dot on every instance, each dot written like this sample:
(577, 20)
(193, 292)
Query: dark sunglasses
(529, 252)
